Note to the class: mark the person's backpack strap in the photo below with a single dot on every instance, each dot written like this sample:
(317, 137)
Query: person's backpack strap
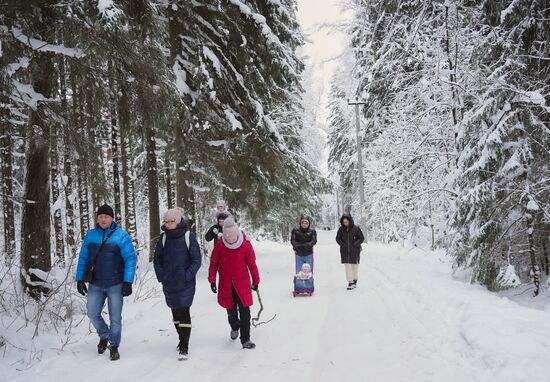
(187, 239)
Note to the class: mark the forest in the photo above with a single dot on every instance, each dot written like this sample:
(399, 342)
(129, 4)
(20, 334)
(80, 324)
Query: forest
(147, 105)
(455, 131)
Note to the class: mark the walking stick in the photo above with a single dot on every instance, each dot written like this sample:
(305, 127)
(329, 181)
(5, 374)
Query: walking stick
(256, 320)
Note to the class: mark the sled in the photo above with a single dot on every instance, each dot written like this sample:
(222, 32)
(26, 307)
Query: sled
(303, 293)
(303, 287)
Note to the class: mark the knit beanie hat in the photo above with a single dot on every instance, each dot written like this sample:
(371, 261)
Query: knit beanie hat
(106, 210)
(173, 214)
(221, 216)
(230, 229)
(220, 203)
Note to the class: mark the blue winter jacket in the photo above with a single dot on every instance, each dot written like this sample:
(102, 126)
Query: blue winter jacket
(117, 262)
(176, 266)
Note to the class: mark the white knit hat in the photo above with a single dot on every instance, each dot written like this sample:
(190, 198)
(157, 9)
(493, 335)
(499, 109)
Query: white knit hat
(230, 229)
(173, 214)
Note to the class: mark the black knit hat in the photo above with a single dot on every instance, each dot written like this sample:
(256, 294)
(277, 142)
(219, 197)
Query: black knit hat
(221, 216)
(105, 210)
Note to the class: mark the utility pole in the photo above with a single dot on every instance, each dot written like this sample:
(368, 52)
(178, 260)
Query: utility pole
(337, 204)
(359, 160)
(342, 192)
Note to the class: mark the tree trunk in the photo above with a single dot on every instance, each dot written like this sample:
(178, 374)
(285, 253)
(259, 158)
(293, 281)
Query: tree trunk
(54, 180)
(94, 160)
(127, 178)
(6, 144)
(168, 178)
(83, 204)
(535, 269)
(35, 233)
(184, 190)
(452, 76)
(7, 187)
(432, 226)
(115, 145)
(153, 188)
(180, 166)
(545, 256)
(67, 159)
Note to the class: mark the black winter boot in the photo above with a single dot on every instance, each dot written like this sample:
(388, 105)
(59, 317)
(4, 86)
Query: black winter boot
(249, 345)
(102, 346)
(115, 355)
(234, 334)
(183, 351)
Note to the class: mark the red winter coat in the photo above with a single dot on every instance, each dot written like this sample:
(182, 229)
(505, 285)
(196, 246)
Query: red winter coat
(234, 266)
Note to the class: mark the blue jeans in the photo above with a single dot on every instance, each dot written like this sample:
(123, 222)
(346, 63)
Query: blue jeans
(96, 301)
(300, 260)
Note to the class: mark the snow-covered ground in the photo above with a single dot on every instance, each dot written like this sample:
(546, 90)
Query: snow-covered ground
(408, 320)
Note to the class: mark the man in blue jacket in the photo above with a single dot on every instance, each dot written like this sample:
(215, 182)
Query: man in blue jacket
(107, 256)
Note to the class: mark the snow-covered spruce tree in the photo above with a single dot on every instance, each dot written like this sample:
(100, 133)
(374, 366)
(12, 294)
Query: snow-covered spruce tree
(236, 70)
(342, 155)
(407, 145)
(37, 24)
(503, 203)
(10, 117)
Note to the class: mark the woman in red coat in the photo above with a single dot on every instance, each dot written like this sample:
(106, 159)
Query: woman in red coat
(233, 257)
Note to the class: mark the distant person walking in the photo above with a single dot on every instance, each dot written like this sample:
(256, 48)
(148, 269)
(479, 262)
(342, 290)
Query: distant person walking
(303, 238)
(215, 232)
(349, 238)
(221, 208)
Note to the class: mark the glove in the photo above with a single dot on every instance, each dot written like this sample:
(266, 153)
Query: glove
(213, 287)
(254, 287)
(220, 235)
(81, 288)
(126, 289)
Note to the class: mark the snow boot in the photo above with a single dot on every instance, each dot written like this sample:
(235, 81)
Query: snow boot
(249, 345)
(234, 334)
(351, 286)
(102, 346)
(182, 352)
(115, 355)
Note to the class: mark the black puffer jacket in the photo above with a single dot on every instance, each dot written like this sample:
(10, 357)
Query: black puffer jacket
(303, 240)
(212, 233)
(349, 238)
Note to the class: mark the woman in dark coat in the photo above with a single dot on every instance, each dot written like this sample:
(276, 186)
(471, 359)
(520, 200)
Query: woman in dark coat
(350, 237)
(177, 261)
(303, 238)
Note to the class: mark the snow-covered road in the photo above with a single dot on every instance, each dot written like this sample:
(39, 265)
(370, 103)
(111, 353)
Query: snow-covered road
(408, 320)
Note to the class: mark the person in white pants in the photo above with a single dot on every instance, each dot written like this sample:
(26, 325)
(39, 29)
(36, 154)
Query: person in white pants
(349, 238)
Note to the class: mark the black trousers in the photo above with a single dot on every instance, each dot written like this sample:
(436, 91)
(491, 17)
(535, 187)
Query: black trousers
(182, 322)
(239, 317)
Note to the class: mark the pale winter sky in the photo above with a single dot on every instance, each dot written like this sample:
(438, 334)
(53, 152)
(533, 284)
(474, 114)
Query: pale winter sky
(319, 20)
